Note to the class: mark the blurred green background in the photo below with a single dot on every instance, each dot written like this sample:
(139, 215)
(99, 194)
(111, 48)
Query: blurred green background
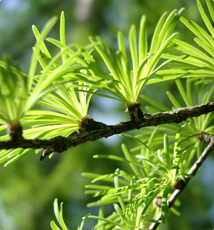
(28, 188)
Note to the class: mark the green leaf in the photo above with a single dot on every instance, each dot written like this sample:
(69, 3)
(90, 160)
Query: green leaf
(166, 151)
(205, 18)
(173, 100)
(59, 214)
(133, 50)
(142, 40)
(62, 34)
(164, 206)
(44, 32)
(155, 103)
(83, 221)
(107, 221)
(54, 226)
(112, 157)
(118, 210)
(107, 178)
(183, 94)
(129, 83)
(129, 158)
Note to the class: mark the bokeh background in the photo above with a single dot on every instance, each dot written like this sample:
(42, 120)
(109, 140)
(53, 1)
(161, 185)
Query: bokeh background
(29, 187)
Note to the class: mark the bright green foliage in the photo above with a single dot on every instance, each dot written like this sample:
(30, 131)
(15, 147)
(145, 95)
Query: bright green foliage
(195, 62)
(133, 192)
(69, 107)
(189, 129)
(126, 81)
(59, 216)
(139, 194)
(13, 93)
(19, 92)
(55, 90)
(69, 79)
(16, 86)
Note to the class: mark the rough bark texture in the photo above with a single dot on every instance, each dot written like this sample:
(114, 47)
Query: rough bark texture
(96, 130)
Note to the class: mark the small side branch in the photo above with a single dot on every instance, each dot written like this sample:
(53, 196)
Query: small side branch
(191, 173)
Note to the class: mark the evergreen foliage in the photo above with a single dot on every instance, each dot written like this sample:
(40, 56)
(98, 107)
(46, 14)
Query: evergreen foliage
(163, 160)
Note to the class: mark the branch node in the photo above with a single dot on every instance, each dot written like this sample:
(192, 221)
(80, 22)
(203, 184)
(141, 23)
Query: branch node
(135, 112)
(157, 202)
(206, 138)
(179, 184)
(15, 131)
(89, 124)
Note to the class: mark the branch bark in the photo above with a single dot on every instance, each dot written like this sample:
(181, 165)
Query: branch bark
(206, 138)
(60, 144)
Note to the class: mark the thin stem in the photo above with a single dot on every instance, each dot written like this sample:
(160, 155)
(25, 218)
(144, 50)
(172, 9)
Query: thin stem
(191, 172)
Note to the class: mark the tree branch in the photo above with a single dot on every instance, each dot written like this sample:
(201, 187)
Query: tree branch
(191, 173)
(60, 144)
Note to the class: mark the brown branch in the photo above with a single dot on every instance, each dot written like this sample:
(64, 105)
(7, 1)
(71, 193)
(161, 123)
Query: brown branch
(60, 144)
(191, 173)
